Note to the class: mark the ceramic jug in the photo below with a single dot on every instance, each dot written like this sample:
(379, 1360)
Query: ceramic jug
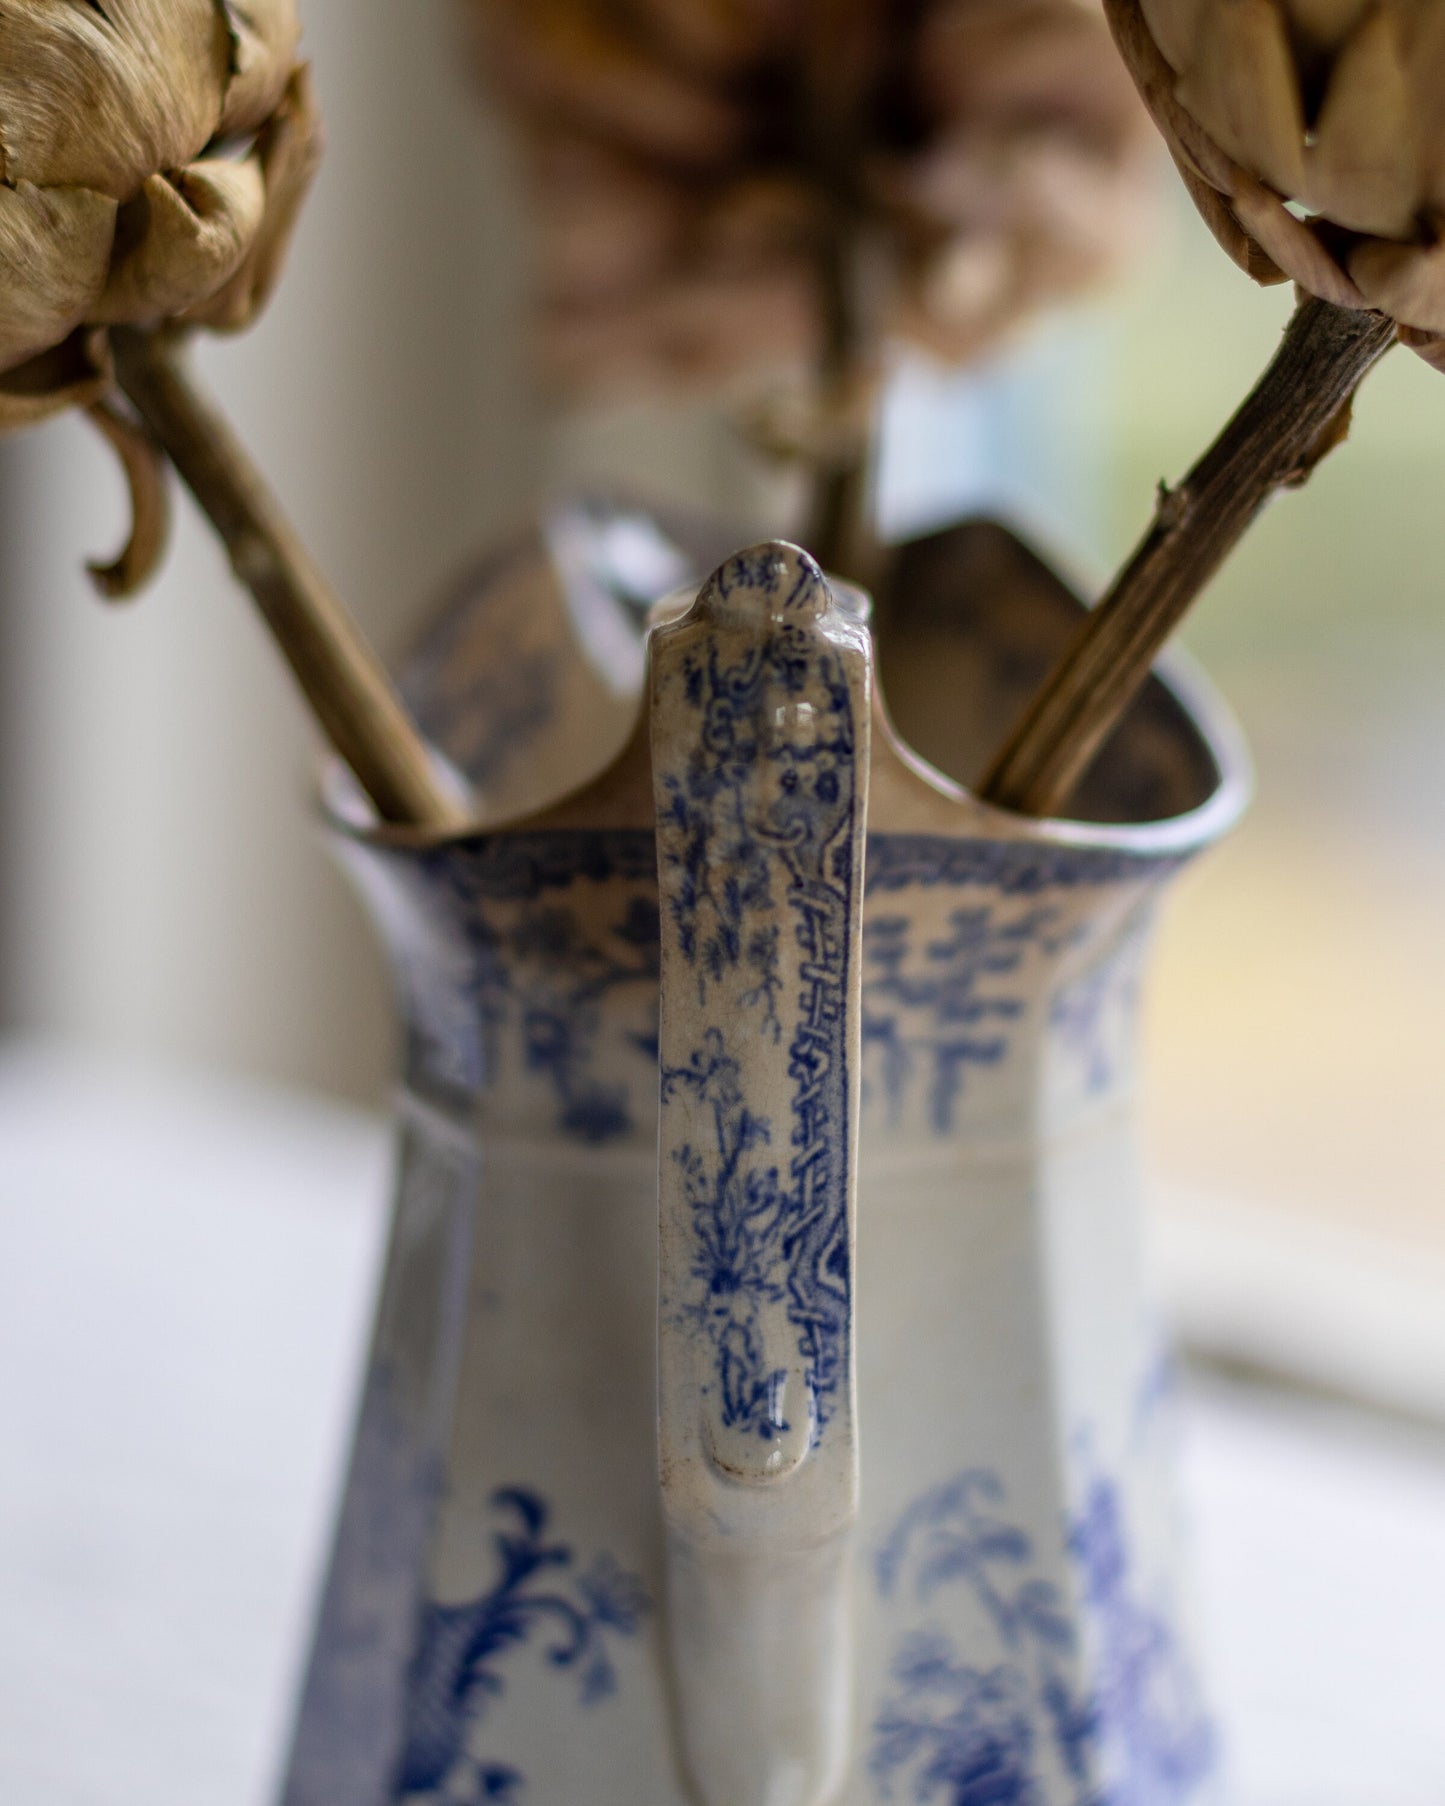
(764, 1408)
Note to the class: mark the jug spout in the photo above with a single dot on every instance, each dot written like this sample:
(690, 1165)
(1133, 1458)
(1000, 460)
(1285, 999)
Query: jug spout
(760, 701)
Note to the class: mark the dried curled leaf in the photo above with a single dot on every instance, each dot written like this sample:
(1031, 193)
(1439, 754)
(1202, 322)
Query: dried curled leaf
(1312, 138)
(145, 473)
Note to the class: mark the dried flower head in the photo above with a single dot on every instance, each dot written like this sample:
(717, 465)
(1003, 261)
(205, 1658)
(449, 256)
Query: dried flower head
(153, 156)
(1311, 135)
(997, 161)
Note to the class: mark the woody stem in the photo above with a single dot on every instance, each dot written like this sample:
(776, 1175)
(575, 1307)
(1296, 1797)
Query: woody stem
(1296, 413)
(840, 533)
(340, 677)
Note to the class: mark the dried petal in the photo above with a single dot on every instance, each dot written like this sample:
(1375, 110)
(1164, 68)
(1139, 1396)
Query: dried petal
(146, 76)
(1174, 25)
(180, 239)
(1222, 221)
(717, 35)
(1428, 345)
(1363, 169)
(1405, 281)
(1321, 26)
(54, 252)
(288, 152)
(1155, 80)
(73, 374)
(1425, 70)
(265, 36)
(608, 223)
(1291, 244)
(1243, 87)
(566, 64)
(1360, 225)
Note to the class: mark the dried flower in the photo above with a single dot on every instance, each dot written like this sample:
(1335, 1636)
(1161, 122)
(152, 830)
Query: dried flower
(1311, 135)
(153, 156)
(1000, 162)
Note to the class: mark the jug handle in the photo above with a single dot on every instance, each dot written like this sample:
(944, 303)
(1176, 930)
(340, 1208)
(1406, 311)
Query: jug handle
(760, 710)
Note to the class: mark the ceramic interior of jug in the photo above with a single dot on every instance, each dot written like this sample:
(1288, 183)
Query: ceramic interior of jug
(530, 677)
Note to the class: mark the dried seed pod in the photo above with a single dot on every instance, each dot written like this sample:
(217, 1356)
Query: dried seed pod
(153, 155)
(1001, 161)
(1311, 135)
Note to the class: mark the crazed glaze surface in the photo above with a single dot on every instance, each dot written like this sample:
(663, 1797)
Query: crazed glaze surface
(761, 799)
(1005, 1582)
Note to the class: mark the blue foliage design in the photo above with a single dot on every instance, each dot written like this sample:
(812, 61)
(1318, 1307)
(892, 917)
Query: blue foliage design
(457, 1671)
(965, 1731)
(741, 1259)
(970, 1735)
(723, 921)
(1087, 1017)
(758, 823)
(1158, 1741)
(932, 1012)
(543, 973)
(955, 1023)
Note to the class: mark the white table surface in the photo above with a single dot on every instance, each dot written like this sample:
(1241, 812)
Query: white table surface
(185, 1269)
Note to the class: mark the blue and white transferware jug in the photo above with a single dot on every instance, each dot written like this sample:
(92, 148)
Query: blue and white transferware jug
(763, 1409)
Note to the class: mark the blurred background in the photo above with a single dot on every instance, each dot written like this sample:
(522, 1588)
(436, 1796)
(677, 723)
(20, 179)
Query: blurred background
(166, 898)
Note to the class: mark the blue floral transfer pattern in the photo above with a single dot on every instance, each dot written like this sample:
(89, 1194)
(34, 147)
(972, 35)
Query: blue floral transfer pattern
(1008, 1721)
(739, 1215)
(558, 940)
(941, 1002)
(931, 1012)
(558, 984)
(1091, 1019)
(1157, 1741)
(539, 1599)
(755, 838)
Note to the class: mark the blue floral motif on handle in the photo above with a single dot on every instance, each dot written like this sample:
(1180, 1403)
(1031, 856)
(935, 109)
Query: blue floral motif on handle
(755, 837)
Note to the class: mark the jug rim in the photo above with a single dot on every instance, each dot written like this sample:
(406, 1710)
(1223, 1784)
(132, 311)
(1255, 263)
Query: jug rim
(346, 811)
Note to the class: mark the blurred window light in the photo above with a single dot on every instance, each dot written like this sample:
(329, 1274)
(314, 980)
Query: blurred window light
(1294, 1078)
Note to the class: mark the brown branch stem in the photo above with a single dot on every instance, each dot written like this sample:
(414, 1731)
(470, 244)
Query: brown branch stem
(839, 531)
(1294, 415)
(840, 67)
(340, 677)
